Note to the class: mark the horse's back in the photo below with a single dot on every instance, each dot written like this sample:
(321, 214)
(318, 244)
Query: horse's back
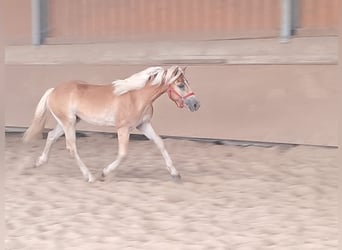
(78, 98)
(80, 90)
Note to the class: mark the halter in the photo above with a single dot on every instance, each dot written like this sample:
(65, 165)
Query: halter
(171, 90)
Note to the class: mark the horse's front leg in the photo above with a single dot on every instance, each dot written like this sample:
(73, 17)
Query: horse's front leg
(149, 132)
(123, 138)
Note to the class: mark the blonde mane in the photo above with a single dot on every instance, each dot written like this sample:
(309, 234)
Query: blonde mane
(140, 79)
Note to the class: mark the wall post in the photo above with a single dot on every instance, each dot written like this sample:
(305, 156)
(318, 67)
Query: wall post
(36, 22)
(286, 20)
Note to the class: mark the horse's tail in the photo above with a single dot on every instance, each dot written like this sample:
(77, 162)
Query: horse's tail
(39, 119)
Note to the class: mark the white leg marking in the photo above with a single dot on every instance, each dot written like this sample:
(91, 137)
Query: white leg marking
(70, 138)
(113, 165)
(149, 132)
(123, 138)
(53, 135)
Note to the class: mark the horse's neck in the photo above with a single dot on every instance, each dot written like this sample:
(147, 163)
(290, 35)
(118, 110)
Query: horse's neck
(150, 93)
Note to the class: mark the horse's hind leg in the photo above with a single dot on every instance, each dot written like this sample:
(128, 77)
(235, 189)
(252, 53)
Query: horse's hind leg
(70, 138)
(53, 135)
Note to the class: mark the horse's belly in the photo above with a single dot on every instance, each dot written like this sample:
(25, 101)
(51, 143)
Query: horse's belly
(101, 120)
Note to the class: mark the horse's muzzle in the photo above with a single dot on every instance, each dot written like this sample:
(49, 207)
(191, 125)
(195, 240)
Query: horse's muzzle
(192, 103)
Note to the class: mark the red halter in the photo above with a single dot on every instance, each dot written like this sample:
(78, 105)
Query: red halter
(171, 90)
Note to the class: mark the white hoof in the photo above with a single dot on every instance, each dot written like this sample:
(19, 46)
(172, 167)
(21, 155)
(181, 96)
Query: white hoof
(91, 178)
(41, 160)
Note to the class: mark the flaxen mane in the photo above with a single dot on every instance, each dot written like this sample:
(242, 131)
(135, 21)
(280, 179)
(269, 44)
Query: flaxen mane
(139, 80)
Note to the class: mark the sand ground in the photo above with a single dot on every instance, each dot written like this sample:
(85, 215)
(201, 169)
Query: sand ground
(231, 197)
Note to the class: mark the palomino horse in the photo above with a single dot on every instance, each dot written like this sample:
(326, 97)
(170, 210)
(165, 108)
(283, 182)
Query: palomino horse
(125, 104)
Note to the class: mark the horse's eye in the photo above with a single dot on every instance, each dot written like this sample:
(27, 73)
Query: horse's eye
(181, 86)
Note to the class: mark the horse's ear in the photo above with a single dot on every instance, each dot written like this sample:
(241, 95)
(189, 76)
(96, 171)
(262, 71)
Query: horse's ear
(153, 76)
(184, 68)
(175, 71)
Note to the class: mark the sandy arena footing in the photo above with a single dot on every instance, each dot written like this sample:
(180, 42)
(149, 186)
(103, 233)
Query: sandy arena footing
(231, 197)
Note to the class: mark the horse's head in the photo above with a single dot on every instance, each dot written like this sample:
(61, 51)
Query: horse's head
(179, 90)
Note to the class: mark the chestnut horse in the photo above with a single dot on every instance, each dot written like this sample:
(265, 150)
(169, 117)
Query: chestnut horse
(125, 104)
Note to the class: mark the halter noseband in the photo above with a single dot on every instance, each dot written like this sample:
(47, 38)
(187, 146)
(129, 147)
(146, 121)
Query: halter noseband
(170, 90)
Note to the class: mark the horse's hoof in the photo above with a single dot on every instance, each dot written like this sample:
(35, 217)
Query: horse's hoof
(176, 178)
(91, 179)
(39, 162)
(102, 177)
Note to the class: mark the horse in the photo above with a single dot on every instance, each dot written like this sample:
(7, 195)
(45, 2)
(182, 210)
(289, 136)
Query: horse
(124, 104)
